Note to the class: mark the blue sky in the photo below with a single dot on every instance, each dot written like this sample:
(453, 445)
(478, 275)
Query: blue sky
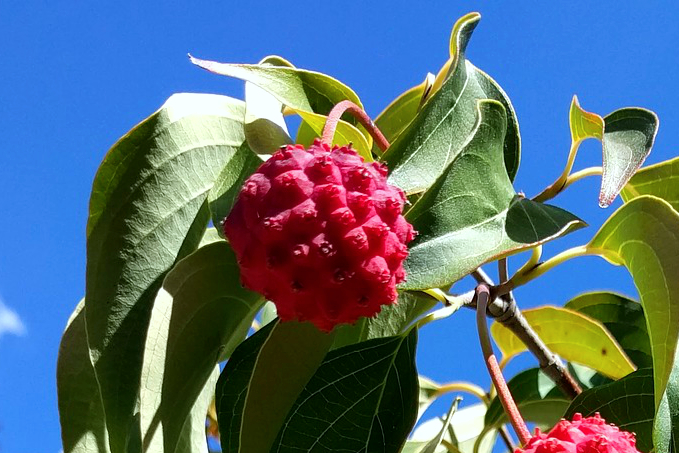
(75, 77)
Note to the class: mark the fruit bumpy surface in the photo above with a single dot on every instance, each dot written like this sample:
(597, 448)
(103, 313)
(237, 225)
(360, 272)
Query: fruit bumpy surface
(582, 435)
(321, 234)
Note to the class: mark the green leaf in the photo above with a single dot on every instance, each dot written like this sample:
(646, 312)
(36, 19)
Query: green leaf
(363, 398)
(434, 443)
(573, 336)
(199, 317)
(643, 235)
(427, 394)
(666, 424)
(223, 194)
(628, 403)
(401, 111)
(539, 400)
(659, 180)
(629, 134)
(148, 209)
(83, 425)
(262, 380)
(265, 128)
(344, 134)
(296, 88)
(447, 121)
(624, 319)
(584, 124)
(391, 320)
(472, 215)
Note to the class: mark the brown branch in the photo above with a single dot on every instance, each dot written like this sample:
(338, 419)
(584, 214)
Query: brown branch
(505, 310)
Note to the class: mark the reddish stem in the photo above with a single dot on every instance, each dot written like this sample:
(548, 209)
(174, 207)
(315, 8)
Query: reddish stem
(362, 117)
(519, 425)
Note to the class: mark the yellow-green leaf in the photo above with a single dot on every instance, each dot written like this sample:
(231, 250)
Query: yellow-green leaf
(345, 133)
(661, 180)
(584, 124)
(571, 335)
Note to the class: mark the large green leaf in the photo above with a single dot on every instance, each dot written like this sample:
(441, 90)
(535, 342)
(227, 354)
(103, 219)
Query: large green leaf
(262, 381)
(666, 425)
(147, 210)
(199, 317)
(624, 319)
(363, 398)
(643, 235)
(571, 335)
(472, 214)
(628, 403)
(391, 320)
(539, 400)
(448, 120)
(659, 180)
(83, 426)
(296, 88)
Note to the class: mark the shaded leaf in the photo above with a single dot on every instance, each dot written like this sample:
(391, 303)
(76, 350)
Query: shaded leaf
(624, 319)
(572, 335)
(401, 111)
(643, 235)
(391, 320)
(666, 424)
(344, 134)
(539, 400)
(148, 209)
(659, 180)
(629, 134)
(472, 215)
(199, 317)
(251, 410)
(363, 398)
(447, 121)
(223, 194)
(628, 403)
(428, 393)
(83, 425)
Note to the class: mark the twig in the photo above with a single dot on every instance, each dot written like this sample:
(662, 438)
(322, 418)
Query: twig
(506, 312)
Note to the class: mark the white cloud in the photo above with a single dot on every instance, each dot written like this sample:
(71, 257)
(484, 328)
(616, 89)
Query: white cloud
(10, 323)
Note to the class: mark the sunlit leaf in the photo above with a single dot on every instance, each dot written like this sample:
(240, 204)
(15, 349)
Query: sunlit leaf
(362, 398)
(628, 403)
(199, 317)
(83, 424)
(262, 381)
(344, 134)
(584, 124)
(643, 235)
(447, 121)
(573, 336)
(472, 214)
(148, 209)
(666, 424)
(661, 180)
(624, 319)
(434, 443)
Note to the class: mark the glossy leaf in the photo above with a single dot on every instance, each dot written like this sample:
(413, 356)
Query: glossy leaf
(391, 320)
(629, 134)
(472, 214)
(223, 194)
(447, 121)
(296, 88)
(539, 400)
(643, 235)
(659, 180)
(83, 425)
(148, 209)
(262, 381)
(362, 398)
(573, 336)
(199, 317)
(628, 403)
(265, 128)
(401, 111)
(624, 319)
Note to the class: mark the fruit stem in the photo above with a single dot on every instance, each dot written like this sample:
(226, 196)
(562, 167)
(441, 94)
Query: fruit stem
(362, 117)
(482, 296)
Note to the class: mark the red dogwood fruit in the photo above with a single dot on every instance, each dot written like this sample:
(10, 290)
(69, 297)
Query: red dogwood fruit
(582, 435)
(320, 233)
